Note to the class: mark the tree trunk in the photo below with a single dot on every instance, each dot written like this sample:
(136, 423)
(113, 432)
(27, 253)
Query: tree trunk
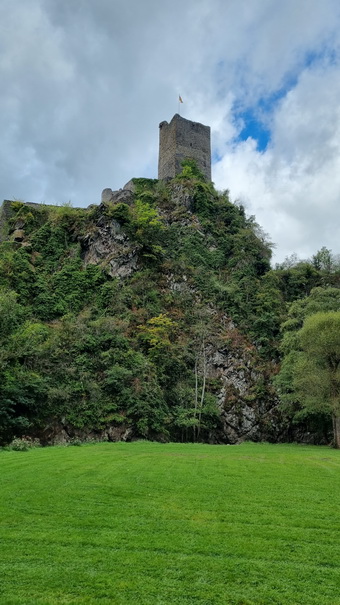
(336, 431)
(204, 369)
(196, 396)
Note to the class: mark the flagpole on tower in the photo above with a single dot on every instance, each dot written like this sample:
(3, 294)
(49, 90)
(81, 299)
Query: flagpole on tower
(180, 100)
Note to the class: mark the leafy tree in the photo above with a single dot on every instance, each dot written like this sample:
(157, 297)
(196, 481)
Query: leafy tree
(328, 266)
(297, 280)
(316, 375)
(323, 260)
(320, 300)
(147, 228)
(157, 331)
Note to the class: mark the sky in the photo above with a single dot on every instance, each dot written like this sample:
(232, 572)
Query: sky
(85, 83)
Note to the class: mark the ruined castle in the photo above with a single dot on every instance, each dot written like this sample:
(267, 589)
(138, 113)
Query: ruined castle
(180, 140)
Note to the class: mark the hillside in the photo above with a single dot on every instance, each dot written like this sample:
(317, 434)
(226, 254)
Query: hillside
(153, 315)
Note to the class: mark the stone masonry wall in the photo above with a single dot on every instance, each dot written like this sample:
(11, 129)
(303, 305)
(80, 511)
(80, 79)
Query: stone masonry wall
(183, 139)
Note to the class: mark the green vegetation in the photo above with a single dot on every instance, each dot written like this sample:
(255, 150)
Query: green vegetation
(81, 347)
(151, 523)
(307, 381)
(315, 366)
(111, 317)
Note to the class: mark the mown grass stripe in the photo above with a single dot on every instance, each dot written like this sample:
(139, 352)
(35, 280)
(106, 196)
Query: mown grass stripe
(152, 523)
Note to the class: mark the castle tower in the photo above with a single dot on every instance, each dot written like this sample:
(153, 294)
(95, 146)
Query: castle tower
(180, 140)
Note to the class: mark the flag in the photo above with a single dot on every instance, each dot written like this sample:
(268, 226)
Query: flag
(180, 99)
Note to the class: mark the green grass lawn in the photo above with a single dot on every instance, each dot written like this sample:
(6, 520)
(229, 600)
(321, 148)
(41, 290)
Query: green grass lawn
(152, 523)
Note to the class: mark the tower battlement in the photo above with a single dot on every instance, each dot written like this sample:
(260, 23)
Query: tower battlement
(183, 139)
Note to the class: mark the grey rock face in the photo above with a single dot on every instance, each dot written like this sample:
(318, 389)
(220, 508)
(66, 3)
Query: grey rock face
(109, 247)
(130, 186)
(107, 195)
(20, 224)
(18, 235)
(242, 415)
(122, 196)
(60, 433)
(181, 196)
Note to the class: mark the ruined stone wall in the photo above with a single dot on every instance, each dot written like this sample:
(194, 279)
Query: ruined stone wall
(183, 139)
(5, 213)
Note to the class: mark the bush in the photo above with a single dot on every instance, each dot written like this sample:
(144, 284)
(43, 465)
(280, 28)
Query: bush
(22, 444)
(120, 212)
(75, 441)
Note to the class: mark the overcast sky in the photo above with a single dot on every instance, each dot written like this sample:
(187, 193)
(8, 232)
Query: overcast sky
(85, 83)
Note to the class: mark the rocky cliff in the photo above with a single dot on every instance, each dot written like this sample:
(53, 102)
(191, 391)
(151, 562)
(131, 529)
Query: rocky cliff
(155, 293)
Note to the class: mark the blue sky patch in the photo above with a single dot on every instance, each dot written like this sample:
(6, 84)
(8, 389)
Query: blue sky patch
(256, 120)
(254, 128)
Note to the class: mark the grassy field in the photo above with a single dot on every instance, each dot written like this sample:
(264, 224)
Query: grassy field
(150, 523)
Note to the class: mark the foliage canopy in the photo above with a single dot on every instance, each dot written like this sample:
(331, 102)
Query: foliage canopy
(87, 349)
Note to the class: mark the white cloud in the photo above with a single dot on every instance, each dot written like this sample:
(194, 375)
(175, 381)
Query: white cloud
(293, 187)
(85, 84)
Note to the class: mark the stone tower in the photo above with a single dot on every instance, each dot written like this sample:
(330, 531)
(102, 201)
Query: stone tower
(183, 139)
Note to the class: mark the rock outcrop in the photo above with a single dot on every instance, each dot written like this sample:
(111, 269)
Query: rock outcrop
(108, 245)
(225, 358)
(122, 196)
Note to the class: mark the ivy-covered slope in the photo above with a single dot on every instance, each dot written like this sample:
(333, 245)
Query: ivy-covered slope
(155, 317)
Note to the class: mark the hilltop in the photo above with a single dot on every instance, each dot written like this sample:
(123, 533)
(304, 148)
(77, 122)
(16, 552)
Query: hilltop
(153, 315)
